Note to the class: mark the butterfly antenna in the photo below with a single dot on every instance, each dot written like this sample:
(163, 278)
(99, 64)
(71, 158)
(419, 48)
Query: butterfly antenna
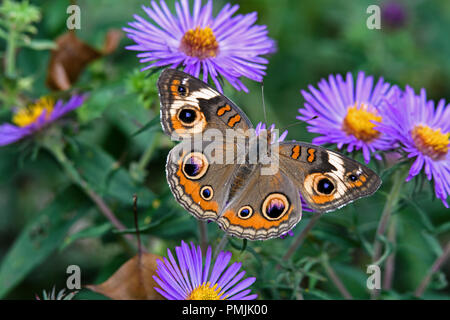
(298, 122)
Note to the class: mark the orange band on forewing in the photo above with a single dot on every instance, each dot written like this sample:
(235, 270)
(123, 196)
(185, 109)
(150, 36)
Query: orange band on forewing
(295, 152)
(192, 189)
(311, 156)
(233, 120)
(256, 221)
(174, 87)
(356, 184)
(221, 111)
(322, 199)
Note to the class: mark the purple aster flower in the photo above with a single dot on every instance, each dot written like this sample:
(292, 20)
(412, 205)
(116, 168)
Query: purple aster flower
(273, 132)
(423, 131)
(224, 45)
(393, 14)
(345, 113)
(191, 279)
(32, 118)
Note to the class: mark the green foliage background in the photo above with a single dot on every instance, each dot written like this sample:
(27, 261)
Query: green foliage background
(46, 223)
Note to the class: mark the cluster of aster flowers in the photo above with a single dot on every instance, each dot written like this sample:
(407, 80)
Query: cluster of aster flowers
(381, 117)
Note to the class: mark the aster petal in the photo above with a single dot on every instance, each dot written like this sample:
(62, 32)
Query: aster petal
(228, 275)
(207, 265)
(10, 133)
(241, 286)
(241, 295)
(219, 266)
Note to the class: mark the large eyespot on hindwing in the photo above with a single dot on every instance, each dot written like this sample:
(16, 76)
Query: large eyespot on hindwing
(321, 186)
(207, 193)
(188, 116)
(245, 212)
(194, 165)
(275, 206)
(324, 186)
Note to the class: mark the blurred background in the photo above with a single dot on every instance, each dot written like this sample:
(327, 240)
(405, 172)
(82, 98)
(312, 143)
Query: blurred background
(51, 224)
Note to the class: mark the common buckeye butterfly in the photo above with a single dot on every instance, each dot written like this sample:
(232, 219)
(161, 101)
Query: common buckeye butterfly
(244, 202)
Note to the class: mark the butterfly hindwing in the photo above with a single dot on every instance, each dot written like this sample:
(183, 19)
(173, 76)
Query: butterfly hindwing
(327, 180)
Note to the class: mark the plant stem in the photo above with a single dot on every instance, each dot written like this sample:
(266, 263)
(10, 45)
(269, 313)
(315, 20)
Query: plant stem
(336, 280)
(223, 242)
(78, 180)
(146, 157)
(390, 261)
(10, 57)
(302, 235)
(203, 235)
(389, 207)
(434, 268)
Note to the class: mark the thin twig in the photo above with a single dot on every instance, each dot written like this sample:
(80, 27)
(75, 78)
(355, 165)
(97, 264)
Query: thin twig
(203, 235)
(434, 268)
(335, 279)
(302, 235)
(136, 224)
(77, 179)
(389, 268)
(223, 242)
(389, 207)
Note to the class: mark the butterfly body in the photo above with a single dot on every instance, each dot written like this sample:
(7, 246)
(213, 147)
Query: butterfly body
(219, 171)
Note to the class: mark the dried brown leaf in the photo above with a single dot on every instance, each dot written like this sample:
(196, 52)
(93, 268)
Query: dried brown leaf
(71, 57)
(111, 41)
(132, 281)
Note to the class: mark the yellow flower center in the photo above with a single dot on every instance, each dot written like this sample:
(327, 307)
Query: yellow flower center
(358, 123)
(206, 292)
(432, 143)
(28, 115)
(200, 43)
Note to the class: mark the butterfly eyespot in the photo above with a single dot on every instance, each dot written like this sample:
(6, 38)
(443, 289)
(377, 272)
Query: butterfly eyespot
(325, 186)
(182, 90)
(275, 206)
(206, 192)
(195, 165)
(245, 212)
(352, 177)
(188, 116)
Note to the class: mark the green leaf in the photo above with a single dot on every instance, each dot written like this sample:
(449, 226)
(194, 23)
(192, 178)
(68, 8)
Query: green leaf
(107, 178)
(41, 237)
(95, 105)
(443, 228)
(422, 214)
(433, 243)
(90, 232)
(151, 125)
(149, 228)
(40, 44)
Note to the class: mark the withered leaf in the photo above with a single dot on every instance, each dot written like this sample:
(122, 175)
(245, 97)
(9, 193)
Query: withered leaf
(132, 281)
(71, 57)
